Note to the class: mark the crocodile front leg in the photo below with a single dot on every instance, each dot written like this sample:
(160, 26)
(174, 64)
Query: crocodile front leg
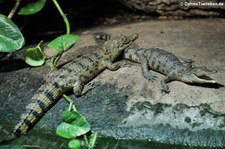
(145, 69)
(165, 80)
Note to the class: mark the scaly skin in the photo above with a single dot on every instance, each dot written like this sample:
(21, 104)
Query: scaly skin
(168, 64)
(73, 75)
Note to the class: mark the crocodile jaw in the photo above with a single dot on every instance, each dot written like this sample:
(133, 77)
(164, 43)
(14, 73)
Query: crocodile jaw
(192, 78)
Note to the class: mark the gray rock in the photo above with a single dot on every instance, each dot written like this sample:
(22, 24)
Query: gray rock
(125, 105)
(178, 7)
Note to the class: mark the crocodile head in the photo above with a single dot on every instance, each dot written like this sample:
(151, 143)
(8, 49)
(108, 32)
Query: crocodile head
(114, 47)
(125, 41)
(198, 75)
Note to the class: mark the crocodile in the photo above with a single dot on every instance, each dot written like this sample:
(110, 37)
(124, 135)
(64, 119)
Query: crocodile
(175, 68)
(72, 76)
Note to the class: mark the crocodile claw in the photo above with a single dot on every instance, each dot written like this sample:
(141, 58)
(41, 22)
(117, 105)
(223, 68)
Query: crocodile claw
(166, 91)
(153, 78)
(150, 77)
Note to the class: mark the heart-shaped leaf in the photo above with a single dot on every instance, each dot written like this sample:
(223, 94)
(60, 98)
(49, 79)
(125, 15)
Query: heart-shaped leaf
(74, 125)
(34, 56)
(32, 7)
(74, 144)
(63, 42)
(11, 39)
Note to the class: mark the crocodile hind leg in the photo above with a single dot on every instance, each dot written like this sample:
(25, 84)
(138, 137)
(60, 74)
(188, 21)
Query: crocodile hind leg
(145, 69)
(80, 88)
(114, 66)
(164, 82)
(76, 83)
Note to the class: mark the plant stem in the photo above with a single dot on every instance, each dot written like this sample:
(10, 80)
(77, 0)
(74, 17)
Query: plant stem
(70, 101)
(40, 47)
(14, 9)
(63, 15)
(86, 141)
(54, 60)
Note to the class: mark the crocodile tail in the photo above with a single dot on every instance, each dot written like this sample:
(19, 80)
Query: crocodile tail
(41, 102)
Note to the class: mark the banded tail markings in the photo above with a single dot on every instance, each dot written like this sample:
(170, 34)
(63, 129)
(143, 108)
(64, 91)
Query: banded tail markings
(41, 102)
(22, 127)
(46, 97)
(29, 112)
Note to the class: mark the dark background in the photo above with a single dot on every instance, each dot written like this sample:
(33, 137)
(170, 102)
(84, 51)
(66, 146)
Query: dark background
(80, 13)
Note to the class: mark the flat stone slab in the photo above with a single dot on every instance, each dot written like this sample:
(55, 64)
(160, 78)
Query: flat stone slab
(124, 104)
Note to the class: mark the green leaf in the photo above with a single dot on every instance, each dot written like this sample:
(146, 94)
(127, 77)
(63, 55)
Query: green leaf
(63, 42)
(11, 39)
(74, 125)
(32, 7)
(34, 56)
(74, 144)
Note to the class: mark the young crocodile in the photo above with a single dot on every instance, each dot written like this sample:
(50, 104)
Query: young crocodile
(73, 75)
(168, 64)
